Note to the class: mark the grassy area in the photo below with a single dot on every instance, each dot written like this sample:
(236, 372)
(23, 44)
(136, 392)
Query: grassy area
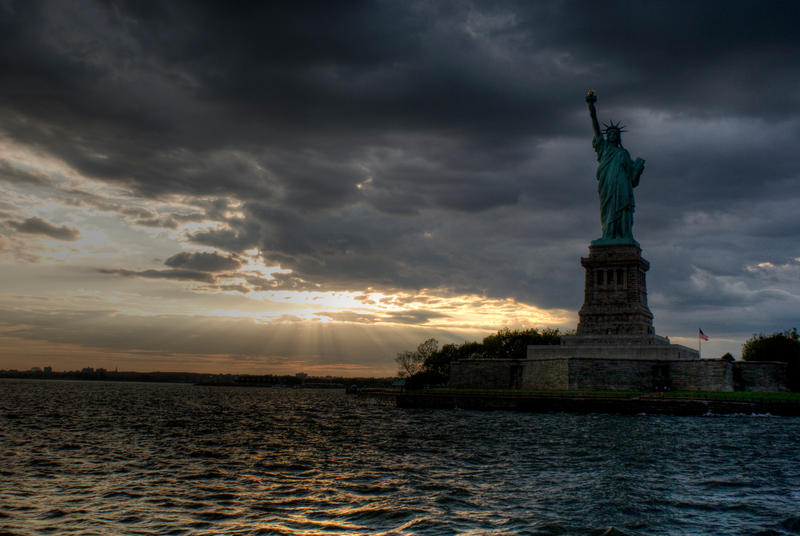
(614, 394)
(736, 396)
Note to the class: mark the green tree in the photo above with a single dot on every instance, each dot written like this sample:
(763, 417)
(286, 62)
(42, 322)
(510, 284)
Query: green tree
(439, 361)
(508, 344)
(411, 362)
(780, 346)
(430, 365)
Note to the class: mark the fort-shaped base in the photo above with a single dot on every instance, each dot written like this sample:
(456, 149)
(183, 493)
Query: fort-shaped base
(615, 346)
(596, 374)
(647, 352)
(613, 340)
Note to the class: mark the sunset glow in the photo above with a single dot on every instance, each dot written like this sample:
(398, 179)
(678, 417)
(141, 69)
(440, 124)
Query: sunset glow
(174, 197)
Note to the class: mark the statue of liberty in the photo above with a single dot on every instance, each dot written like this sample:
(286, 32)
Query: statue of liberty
(617, 176)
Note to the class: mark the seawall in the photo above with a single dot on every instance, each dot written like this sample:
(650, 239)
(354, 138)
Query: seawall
(646, 404)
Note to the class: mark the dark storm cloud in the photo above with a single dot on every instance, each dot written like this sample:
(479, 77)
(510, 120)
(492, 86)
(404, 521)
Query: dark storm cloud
(38, 226)
(159, 222)
(203, 262)
(280, 281)
(13, 174)
(234, 288)
(179, 274)
(136, 215)
(404, 145)
(414, 317)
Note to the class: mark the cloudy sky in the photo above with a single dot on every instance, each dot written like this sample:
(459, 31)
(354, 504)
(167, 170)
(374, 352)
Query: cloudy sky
(301, 187)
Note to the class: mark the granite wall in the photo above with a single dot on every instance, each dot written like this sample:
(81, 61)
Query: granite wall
(592, 374)
(759, 376)
(484, 373)
(546, 374)
(702, 375)
(613, 374)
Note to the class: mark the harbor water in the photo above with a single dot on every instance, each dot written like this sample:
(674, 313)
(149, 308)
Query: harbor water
(153, 459)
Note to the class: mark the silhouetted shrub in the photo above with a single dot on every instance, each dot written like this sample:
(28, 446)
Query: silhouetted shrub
(779, 346)
(508, 344)
(428, 365)
(425, 379)
(412, 362)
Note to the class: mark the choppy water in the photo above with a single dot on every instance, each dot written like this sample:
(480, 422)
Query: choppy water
(125, 458)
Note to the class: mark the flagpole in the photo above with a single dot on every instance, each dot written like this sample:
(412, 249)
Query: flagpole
(700, 337)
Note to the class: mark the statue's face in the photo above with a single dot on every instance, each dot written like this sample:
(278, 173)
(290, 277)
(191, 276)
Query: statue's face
(612, 135)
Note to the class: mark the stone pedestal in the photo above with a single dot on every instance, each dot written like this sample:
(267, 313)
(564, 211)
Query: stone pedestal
(615, 345)
(615, 321)
(615, 307)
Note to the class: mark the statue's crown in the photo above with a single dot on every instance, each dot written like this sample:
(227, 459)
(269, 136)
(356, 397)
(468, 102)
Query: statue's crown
(613, 126)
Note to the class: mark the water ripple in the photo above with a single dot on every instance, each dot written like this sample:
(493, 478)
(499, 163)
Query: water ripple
(140, 459)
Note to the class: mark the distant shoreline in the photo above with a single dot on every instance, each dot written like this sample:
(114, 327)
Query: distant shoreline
(198, 378)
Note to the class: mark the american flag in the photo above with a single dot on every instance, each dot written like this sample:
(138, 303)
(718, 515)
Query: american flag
(702, 335)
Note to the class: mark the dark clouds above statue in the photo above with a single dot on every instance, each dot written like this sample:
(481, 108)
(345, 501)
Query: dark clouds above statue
(416, 144)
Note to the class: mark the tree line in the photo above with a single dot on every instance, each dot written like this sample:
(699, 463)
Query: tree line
(430, 365)
(781, 346)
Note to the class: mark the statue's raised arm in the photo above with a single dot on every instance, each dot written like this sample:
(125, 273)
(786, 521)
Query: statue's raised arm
(617, 176)
(591, 98)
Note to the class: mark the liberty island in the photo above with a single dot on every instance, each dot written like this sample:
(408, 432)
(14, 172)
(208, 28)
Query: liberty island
(615, 346)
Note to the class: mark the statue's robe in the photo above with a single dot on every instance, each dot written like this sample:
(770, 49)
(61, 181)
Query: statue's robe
(617, 176)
